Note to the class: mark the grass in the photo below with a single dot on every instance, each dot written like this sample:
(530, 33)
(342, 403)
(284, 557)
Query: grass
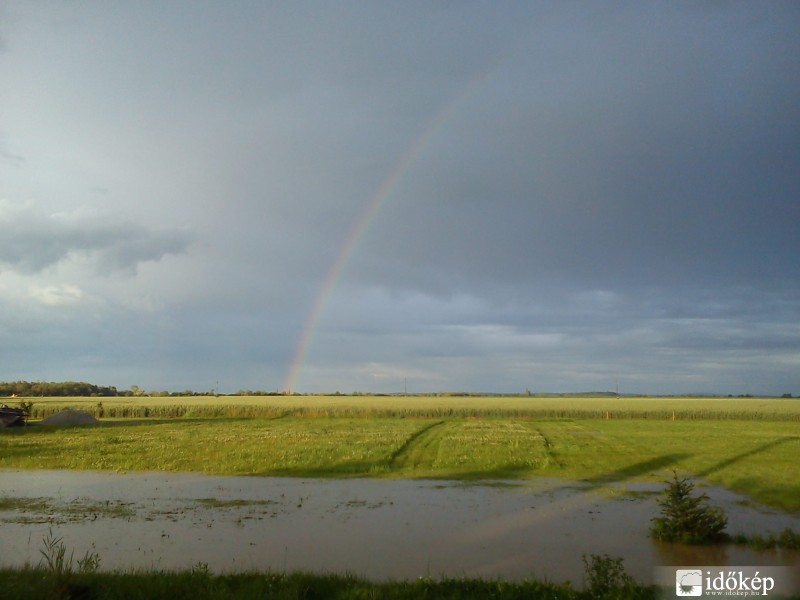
(58, 575)
(47, 510)
(756, 457)
(214, 503)
(748, 445)
(786, 539)
(198, 584)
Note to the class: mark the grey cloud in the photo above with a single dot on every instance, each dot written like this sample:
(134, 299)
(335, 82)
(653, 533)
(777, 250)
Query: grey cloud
(7, 156)
(11, 158)
(33, 240)
(641, 160)
(732, 340)
(3, 19)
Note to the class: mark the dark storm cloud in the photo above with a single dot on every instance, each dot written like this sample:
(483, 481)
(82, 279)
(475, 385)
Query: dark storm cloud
(643, 156)
(33, 240)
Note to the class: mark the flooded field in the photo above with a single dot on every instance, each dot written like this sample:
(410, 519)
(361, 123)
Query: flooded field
(379, 529)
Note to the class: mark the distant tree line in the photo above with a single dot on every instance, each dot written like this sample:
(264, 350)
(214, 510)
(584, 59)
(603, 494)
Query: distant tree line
(80, 388)
(51, 388)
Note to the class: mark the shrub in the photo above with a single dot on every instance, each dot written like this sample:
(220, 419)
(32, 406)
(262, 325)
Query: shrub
(605, 577)
(685, 518)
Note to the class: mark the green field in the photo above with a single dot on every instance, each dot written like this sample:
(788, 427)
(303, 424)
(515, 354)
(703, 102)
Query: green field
(748, 445)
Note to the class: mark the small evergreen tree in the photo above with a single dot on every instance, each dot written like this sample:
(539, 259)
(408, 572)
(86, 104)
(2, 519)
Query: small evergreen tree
(685, 518)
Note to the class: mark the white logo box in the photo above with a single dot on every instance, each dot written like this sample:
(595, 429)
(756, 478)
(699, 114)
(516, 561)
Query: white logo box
(704, 581)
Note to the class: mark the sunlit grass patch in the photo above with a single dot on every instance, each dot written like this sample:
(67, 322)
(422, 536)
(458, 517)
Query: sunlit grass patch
(757, 459)
(469, 447)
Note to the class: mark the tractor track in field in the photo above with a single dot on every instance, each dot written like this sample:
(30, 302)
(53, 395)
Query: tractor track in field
(548, 447)
(416, 446)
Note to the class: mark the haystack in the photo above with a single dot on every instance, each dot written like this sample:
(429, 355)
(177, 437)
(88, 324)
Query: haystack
(69, 416)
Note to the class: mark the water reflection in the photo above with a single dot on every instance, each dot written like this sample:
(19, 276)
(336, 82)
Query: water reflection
(375, 528)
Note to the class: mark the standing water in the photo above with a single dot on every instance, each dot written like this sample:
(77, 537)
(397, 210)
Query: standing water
(378, 529)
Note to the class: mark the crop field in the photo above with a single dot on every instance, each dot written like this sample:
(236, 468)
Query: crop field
(747, 445)
(430, 406)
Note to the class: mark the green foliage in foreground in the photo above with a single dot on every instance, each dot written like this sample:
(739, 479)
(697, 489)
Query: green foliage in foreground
(24, 584)
(606, 577)
(57, 577)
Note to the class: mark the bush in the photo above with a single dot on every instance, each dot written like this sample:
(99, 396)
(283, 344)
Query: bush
(685, 518)
(605, 577)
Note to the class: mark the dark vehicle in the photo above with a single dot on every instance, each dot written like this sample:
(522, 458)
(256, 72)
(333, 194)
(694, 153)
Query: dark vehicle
(12, 417)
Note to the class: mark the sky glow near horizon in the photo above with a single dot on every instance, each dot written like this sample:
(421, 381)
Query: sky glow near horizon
(373, 196)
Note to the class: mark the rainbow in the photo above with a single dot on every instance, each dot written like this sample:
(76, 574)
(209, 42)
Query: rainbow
(385, 189)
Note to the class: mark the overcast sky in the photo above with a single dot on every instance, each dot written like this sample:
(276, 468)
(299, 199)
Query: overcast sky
(368, 196)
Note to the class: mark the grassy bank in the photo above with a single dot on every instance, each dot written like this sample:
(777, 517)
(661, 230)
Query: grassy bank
(24, 584)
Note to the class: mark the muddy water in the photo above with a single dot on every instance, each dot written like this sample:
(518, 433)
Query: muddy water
(380, 529)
